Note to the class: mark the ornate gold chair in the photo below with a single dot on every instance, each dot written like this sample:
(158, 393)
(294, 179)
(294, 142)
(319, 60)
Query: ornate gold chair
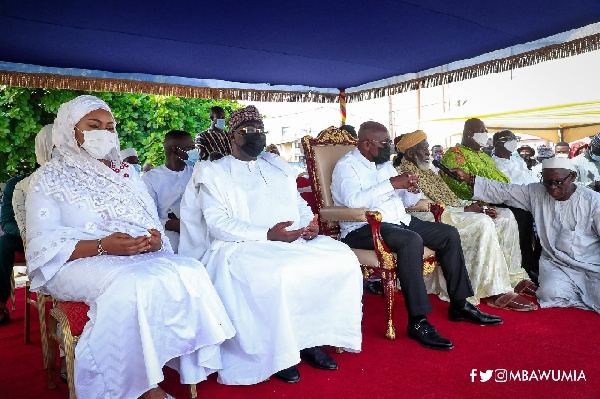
(72, 317)
(322, 154)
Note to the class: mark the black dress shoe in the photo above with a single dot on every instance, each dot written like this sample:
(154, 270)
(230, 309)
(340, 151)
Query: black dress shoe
(375, 287)
(473, 315)
(428, 336)
(289, 375)
(318, 359)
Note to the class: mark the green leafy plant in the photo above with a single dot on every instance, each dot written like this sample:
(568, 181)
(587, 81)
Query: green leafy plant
(142, 121)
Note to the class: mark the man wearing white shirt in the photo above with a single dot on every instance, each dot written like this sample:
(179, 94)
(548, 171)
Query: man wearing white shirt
(515, 168)
(167, 182)
(365, 178)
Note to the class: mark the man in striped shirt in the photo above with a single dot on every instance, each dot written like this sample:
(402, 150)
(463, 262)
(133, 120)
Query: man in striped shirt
(215, 138)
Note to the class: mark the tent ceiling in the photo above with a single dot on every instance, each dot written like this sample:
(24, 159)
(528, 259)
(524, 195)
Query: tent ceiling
(312, 43)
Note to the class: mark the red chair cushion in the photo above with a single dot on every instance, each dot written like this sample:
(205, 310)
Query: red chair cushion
(76, 313)
(305, 189)
(19, 257)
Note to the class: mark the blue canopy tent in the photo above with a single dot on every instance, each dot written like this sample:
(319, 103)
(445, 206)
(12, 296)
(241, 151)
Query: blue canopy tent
(269, 50)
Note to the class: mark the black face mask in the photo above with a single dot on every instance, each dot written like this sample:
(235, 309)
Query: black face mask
(383, 155)
(254, 143)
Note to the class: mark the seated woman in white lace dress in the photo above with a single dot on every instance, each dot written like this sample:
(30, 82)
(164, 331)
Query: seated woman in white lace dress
(93, 236)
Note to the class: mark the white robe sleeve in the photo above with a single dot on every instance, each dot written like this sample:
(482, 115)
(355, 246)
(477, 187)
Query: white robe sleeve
(495, 192)
(346, 187)
(49, 243)
(306, 215)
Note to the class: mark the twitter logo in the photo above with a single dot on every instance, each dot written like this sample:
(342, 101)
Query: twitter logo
(485, 375)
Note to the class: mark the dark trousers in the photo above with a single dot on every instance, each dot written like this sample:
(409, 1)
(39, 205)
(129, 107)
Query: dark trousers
(9, 244)
(407, 242)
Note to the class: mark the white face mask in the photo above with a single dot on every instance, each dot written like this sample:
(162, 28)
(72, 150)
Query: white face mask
(98, 143)
(562, 156)
(480, 138)
(511, 145)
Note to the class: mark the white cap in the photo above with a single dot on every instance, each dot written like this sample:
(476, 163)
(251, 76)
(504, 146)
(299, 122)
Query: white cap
(128, 152)
(558, 163)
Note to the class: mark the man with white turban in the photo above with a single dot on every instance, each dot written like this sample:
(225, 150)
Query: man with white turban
(568, 221)
(130, 156)
(13, 221)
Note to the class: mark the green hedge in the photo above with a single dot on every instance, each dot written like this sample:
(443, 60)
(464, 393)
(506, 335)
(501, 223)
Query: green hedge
(142, 121)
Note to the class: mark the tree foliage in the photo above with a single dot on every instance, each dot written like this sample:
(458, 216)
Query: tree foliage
(142, 121)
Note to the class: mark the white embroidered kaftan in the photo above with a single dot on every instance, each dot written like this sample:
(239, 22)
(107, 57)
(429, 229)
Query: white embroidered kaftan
(281, 297)
(166, 188)
(146, 310)
(569, 234)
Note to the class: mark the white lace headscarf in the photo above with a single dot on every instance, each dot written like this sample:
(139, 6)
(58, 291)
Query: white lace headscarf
(77, 176)
(63, 132)
(43, 145)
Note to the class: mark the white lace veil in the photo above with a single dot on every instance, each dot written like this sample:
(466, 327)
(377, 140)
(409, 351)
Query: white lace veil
(77, 168)
(63, 131)
(43, 145)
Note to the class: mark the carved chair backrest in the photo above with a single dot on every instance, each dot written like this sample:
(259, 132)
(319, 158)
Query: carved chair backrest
(322, 154)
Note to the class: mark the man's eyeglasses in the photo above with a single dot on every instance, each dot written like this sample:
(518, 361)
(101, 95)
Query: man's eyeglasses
(384, 143)
(556, 183)
(251, 129)
(505, 139)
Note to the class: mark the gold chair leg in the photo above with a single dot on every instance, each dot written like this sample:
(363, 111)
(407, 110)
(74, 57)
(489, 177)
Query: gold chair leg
(193, 392)
(52, 355)
(27, 321)
(41, 307)
(389, 289)
(12, 290)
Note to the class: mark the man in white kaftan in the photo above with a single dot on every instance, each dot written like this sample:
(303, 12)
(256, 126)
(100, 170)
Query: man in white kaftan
(167, 182)
(148, 307)
(568, 221)
(283, 296)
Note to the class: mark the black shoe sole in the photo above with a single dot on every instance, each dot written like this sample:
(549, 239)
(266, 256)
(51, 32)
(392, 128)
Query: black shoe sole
(457, 319)
(286, 380)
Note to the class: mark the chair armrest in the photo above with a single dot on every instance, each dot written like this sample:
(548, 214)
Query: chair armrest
(421, 206)
(342, 214)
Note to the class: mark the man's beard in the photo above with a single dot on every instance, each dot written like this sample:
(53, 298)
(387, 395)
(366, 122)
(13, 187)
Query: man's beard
(423, 165)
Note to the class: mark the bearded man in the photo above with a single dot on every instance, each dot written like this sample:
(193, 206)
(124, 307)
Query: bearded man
(489, 236)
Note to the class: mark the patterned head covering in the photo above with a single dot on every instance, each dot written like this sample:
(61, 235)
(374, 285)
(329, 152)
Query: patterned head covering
(43, 145)
(244, 115)
(410, 140)
(596, 141)
(544, 152)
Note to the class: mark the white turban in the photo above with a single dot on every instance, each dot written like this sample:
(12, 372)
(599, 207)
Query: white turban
(43, 145)
(128, 152)
(558, 163)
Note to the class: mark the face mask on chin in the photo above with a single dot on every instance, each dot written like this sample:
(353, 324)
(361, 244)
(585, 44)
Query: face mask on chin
(137, 168)
(480, 138)
(596, 158)
(98, 143)
(383, 155)
(254, 144)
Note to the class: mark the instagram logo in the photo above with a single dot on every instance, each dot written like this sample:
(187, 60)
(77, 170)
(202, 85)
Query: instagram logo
(501, 375)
